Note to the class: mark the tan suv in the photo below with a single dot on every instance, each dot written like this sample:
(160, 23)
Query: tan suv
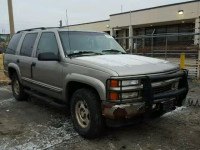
(91, 73)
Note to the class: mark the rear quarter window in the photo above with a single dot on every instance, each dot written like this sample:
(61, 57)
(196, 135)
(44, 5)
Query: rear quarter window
(12, 46)
(28, 43)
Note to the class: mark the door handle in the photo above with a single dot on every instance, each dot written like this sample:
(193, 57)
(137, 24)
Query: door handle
(18, 61)
(33, 64)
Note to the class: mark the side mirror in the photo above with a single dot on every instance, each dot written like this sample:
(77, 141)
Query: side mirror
(48, 56)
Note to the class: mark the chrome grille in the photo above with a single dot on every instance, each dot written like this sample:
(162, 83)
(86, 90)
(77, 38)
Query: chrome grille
(164, 86)
(161, 89)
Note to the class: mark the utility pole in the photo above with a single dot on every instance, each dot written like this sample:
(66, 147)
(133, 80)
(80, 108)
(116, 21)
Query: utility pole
(11, 20)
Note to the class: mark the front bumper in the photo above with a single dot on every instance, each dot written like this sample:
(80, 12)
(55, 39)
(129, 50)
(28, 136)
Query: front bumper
(150, 101)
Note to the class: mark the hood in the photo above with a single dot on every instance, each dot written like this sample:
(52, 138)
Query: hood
(126, 65)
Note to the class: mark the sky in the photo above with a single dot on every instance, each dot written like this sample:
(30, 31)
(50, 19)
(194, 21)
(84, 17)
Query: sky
(47, 13)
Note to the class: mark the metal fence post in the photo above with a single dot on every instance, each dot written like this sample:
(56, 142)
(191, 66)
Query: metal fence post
(152, 46)
(152, 42)
(166, 50)
(143, 44)
(136, 46)
(198, 63)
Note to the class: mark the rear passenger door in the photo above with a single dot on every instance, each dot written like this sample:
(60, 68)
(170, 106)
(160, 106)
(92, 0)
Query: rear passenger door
(25, 55)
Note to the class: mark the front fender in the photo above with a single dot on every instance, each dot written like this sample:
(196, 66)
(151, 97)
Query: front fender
(93, 82)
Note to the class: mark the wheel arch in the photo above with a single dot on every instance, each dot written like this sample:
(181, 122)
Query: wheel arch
(13, 68)
(76, 81)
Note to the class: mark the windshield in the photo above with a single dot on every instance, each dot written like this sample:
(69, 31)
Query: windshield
(76, 42)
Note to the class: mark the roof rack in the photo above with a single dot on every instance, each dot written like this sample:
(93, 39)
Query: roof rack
(31, 29)
(41, 28)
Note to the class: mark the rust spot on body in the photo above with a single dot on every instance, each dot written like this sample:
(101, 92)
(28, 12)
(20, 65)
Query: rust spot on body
(119, 113)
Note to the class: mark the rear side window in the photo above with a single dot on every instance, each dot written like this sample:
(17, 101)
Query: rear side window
(28, 43)
(12, 47)
(47, 43)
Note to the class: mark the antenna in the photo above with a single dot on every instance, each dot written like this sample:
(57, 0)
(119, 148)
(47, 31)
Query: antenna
(67, 21)
(60, 23)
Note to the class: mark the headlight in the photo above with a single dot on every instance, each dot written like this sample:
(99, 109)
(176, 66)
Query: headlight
(123, 89)
(130, 82)
(116, 83)
(129, 95)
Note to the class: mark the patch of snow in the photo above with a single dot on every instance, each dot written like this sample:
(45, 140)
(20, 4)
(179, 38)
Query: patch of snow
(42, 136)
(178, 109)
(25, 146)
(6, 101)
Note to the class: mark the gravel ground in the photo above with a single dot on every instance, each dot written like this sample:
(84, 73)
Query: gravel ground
(35, 124)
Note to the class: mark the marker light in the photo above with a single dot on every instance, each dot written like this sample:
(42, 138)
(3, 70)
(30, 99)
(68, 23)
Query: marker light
(180, 12)
(114, 83)
(114, 96)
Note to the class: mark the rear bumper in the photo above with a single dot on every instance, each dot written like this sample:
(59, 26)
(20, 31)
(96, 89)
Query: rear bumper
(150, 101)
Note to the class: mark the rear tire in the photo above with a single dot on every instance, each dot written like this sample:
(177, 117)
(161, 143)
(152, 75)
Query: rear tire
(18, 89)
(86, 113)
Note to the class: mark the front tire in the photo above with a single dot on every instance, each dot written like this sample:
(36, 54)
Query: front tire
(86, 113)
(17, 89)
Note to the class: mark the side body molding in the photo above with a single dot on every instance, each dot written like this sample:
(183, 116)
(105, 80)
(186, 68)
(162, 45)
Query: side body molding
(95, 83)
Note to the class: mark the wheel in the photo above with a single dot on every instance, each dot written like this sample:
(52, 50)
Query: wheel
(86, 113)
(17, 89)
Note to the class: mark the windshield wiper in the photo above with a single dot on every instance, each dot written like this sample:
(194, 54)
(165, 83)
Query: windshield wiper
(84, 52)
(113, 50)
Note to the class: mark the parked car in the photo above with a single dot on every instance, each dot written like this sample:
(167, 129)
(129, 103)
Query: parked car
(91, 73)
(4, 39)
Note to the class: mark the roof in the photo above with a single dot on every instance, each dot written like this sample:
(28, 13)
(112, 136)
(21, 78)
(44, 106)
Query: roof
(89, 23)
(155, 7)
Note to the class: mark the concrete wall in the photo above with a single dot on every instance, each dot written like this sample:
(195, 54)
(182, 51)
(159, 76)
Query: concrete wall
(156, 15)
(93, 26)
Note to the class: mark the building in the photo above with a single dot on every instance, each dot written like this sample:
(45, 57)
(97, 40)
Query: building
(169, 19)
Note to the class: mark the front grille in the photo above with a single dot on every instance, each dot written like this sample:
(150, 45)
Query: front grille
(161, 89)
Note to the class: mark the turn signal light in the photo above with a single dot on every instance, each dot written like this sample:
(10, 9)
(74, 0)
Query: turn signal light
(114, 96)
(114, 83)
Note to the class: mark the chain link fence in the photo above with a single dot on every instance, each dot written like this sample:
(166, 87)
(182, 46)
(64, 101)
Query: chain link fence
(166, 46)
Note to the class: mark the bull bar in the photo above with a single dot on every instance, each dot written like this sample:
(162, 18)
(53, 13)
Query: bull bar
(147, 94)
